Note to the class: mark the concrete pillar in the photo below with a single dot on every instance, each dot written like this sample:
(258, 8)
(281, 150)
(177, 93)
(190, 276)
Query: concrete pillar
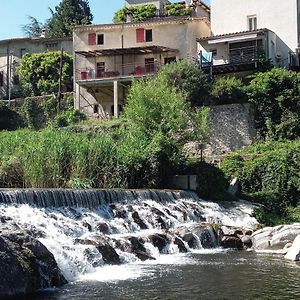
(116, 99)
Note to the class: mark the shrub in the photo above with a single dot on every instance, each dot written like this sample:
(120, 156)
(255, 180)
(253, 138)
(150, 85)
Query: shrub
(226, 90)
(9, 118)
(178, 9)
(139, 13)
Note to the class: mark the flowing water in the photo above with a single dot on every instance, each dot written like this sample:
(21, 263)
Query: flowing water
(171, 229)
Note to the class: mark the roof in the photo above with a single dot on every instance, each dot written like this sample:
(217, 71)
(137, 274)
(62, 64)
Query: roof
(162, 20)
(234, 34)
(124, 51)
(35, 40)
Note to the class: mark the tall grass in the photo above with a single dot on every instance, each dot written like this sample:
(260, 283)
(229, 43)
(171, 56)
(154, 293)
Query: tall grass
(60, 159)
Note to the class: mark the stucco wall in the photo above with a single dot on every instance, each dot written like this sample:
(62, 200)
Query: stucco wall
(232, 127)
(228, 16)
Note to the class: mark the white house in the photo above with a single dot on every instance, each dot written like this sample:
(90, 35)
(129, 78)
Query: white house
(240, 28)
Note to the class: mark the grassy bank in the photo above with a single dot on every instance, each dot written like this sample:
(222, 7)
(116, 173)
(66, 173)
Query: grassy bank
(269, 173)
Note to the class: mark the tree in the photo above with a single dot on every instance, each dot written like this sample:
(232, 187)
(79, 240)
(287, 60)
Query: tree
(276, 97)
(188, 79)
(39, 73)
(34, 28)
(67, 15)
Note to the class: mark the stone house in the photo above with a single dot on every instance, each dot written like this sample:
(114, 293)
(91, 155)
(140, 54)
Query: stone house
(243, 30)
(11, 53)
(108, 57)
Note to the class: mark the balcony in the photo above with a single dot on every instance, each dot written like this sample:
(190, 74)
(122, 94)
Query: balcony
(118, 71)
(294, 61)
(238, 60)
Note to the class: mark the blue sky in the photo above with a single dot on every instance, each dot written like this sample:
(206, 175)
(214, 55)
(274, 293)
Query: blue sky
(14, 13)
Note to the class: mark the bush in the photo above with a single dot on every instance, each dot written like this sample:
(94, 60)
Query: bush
(188, 79)
(226, 90)
(178, 9)
(275, 95)
(140, 13)
(9, 118)
(67, 118)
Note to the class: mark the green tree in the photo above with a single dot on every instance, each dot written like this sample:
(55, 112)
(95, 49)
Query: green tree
(67, 15)
(276, 96)
(188, 79)
(39, 73)
(34, 28)
(139, 13)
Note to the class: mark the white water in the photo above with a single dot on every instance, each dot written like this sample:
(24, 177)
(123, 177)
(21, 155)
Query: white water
(161, 212)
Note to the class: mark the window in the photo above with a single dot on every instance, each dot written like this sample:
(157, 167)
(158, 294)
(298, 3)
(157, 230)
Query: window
(252, 23)
(92, 39)
(100, 39)
(149, 65)
(169, 60)
(214, 52)
(1, 78)
(140, 35)
(100, 69)
(148, 35)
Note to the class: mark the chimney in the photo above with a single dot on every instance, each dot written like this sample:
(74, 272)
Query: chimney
(129, 16)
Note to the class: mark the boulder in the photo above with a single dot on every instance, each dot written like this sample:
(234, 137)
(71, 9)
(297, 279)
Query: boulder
(143, 256)
(275, 238)
(138, 220)
(180, 244)
(294, 251)
(247, 242)
(232, 242)
(159, 241)
(102, 227)
(27, 264)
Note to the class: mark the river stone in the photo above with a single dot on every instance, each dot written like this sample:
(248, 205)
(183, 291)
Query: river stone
(294, 251)
(143, 256)
(247, 242)
(102, 227)
(232, 242)
(275, 238)
(159, 241)
(180, 244)
(27, 264)
(138, 220)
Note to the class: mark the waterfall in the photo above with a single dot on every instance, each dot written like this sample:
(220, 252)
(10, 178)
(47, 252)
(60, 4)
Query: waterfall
(87, 229)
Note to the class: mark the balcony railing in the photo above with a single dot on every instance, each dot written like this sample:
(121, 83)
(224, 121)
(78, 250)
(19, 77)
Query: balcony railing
(243, 55)
(123, 70)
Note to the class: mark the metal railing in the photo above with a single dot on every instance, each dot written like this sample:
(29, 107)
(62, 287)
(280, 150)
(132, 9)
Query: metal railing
(243, 55)
(123, 70)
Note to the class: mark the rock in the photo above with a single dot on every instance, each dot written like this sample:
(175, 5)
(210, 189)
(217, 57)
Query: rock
(143, 256)
(233, 187)
(275, 238)
(294, 251)
(87, 225)
(159, 241)
(138, 220)
(180, 244)
(247, 242)
(27, 264)
(191, 239)
(102, 227)
(109, 254)
(162, 223)
(232, 230)
(232, 242)
(137, 244)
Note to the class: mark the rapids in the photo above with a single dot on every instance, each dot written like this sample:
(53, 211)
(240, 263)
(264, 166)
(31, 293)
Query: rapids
(88, 229)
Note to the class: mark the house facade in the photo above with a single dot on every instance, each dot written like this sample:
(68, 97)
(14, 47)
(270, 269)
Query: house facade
(242, 30)
(109, 57)
(11, 53)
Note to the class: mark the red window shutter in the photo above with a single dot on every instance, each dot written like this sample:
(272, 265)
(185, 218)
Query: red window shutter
(140, 35)
(92, 39)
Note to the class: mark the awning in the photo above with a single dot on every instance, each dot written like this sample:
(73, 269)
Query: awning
(126, 51)
(233, 39)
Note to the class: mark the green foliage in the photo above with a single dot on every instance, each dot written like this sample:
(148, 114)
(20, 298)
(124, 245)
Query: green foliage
(39, 73)
(9, 118)
(33, 29)
(188, 79)
(67, 118)
(139, 13)
(275, 95)
(212, 183)
(268, 174)
(31, 112)
(67, 15)
(227, 90)
(178, 9)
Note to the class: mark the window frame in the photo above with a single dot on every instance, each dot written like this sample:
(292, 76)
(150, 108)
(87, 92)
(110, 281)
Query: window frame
(100, 38)
(252, 22)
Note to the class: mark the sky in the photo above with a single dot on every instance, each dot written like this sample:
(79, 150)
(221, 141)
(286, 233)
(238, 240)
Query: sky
(14, 13)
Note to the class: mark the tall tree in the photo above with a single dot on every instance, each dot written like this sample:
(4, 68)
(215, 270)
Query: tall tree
(34, 28)
(67, 15)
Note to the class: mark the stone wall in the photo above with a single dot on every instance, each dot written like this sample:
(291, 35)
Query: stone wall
(232, 127)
